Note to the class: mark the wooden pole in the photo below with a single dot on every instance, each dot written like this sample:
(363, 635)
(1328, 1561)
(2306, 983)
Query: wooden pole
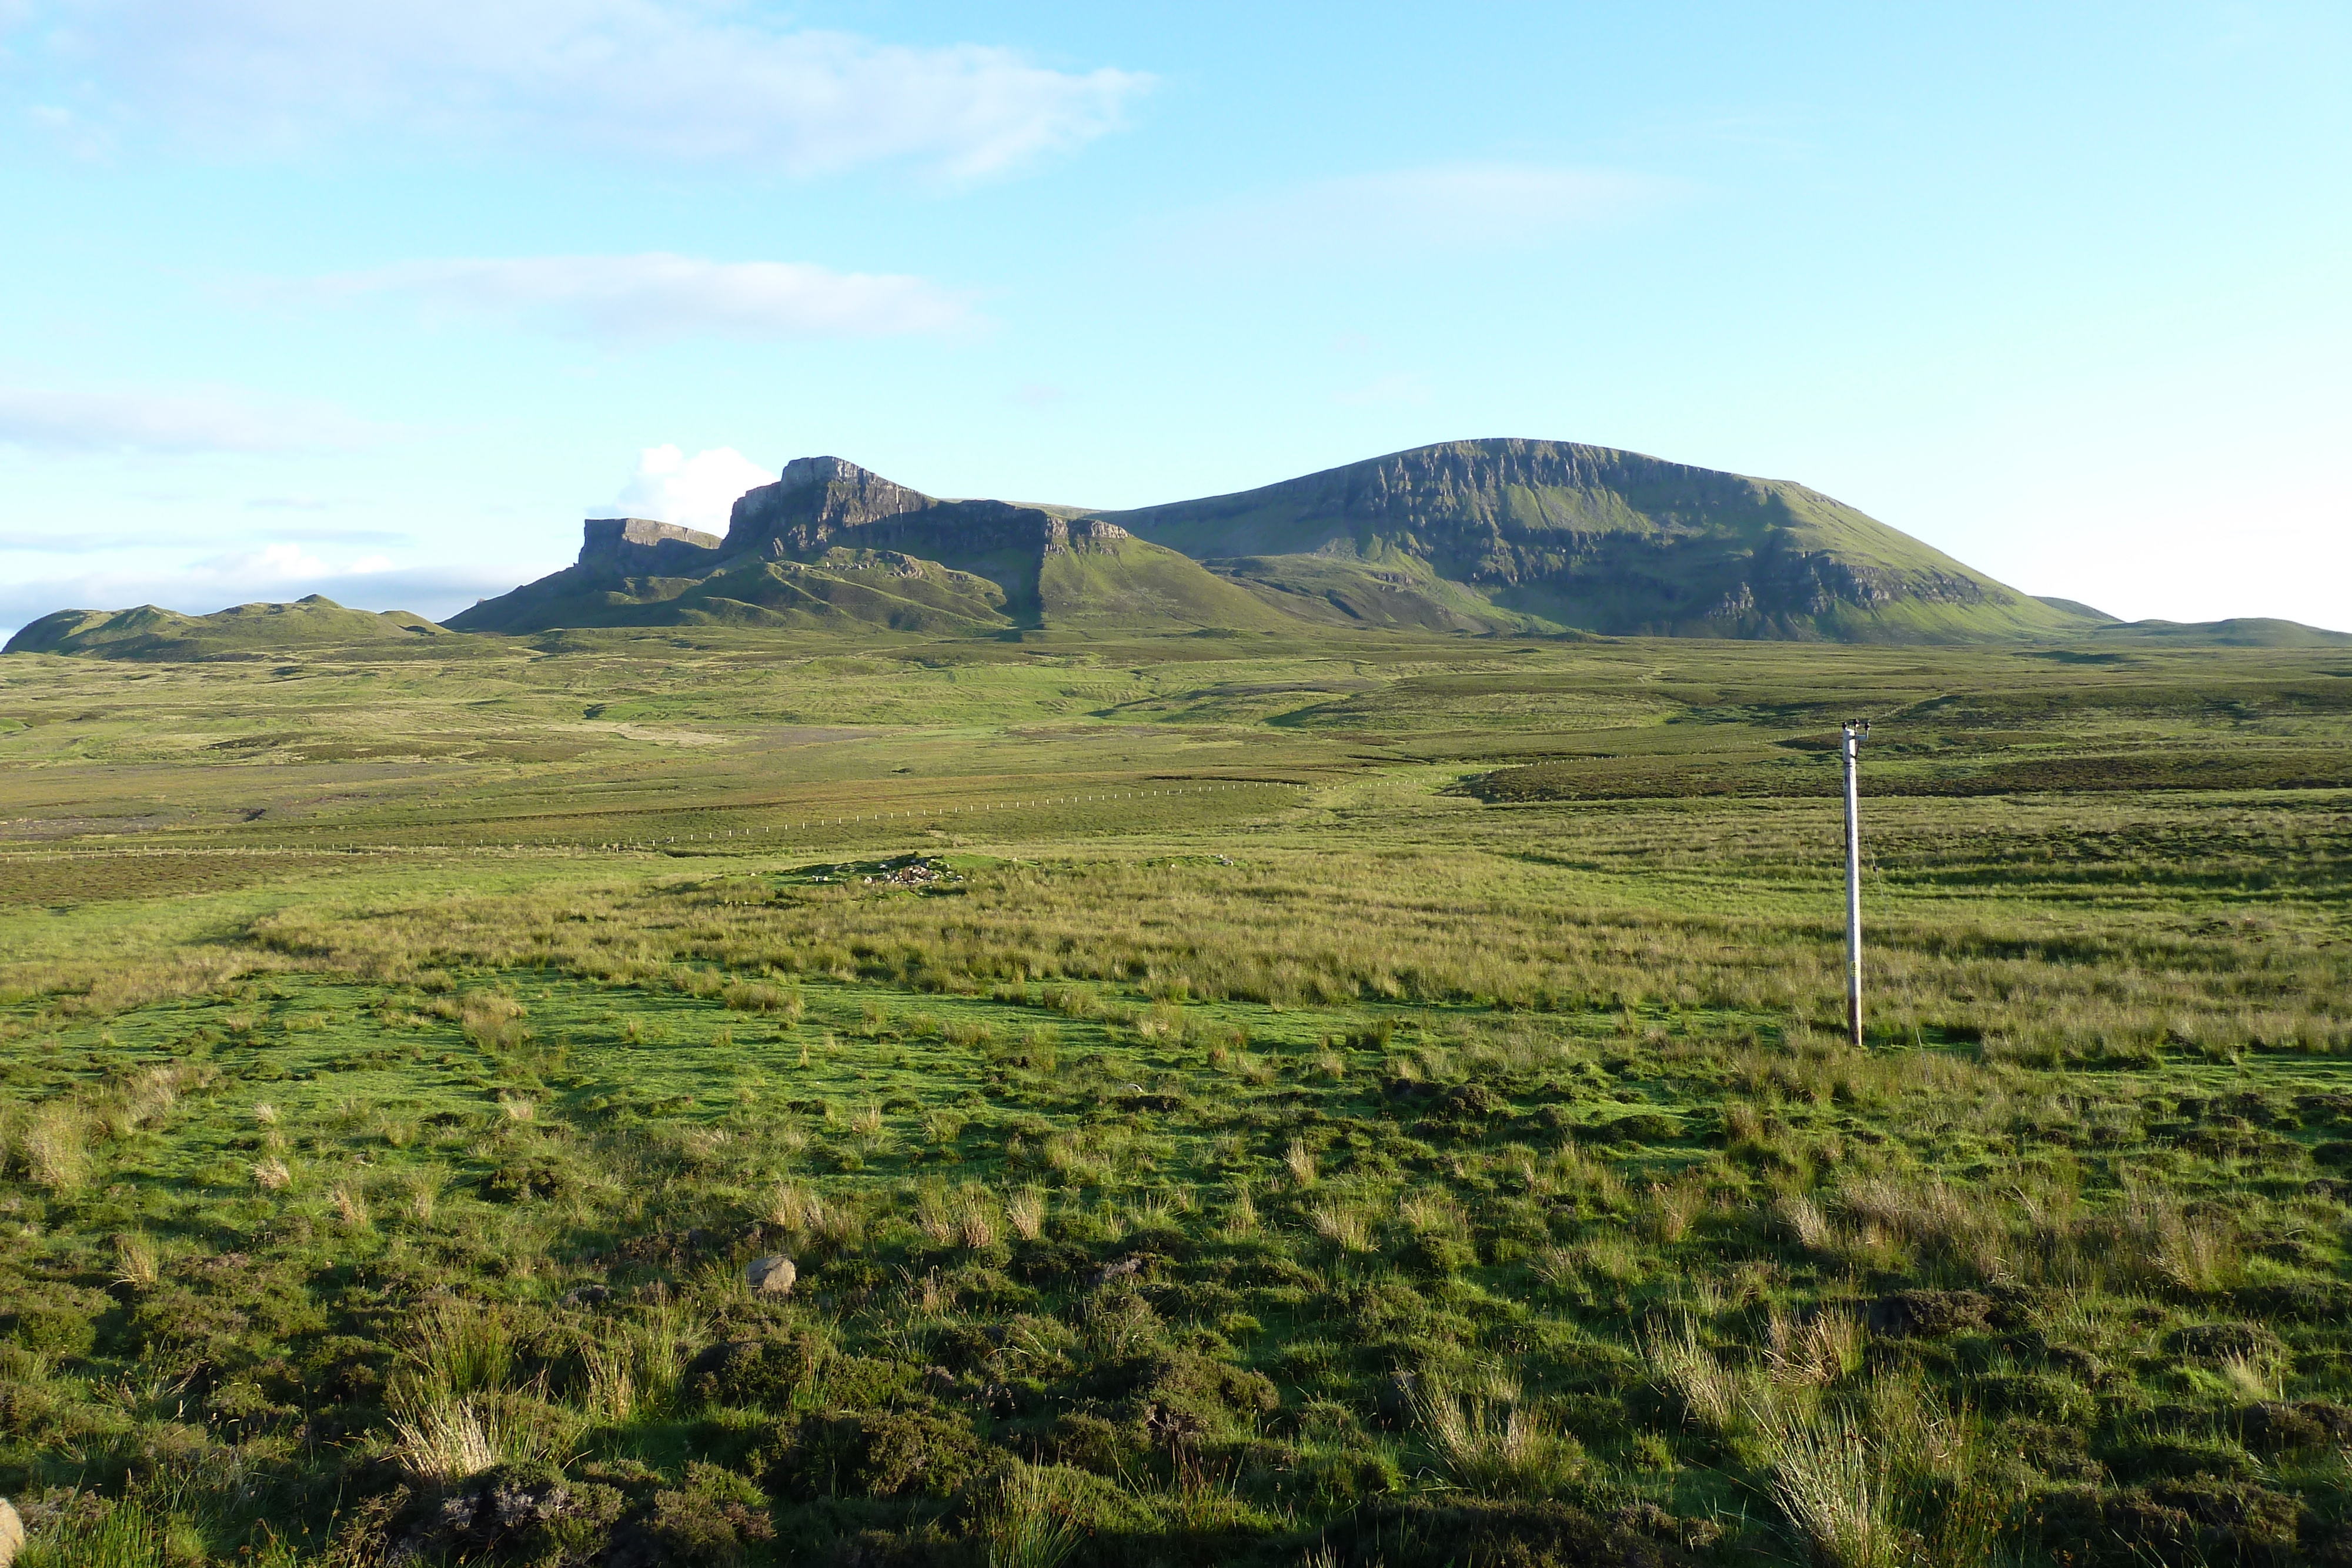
(1854, 731)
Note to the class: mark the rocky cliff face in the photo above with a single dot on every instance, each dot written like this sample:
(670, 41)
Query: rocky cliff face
(639, 547)
(815, 498)
(826, 503)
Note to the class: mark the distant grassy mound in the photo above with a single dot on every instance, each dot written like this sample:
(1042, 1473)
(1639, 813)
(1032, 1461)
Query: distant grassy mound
(252, 630)
(2242, 633)
(1534, 534)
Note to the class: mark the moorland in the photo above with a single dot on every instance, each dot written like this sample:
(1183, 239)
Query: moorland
(1226, 1096)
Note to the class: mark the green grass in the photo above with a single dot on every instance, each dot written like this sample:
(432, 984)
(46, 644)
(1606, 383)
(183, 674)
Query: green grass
(1383, 1104)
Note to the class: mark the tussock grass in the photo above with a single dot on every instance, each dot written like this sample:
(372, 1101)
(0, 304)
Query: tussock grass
(1830, 1477)
(448, 1440)
(51, 1146)
(1498, 1447)
(1031, 1520)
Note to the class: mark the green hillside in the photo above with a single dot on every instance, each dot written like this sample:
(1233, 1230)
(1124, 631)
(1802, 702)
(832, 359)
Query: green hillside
(1537, 533)
(844, 591)
(1130, 583)
(254, 631)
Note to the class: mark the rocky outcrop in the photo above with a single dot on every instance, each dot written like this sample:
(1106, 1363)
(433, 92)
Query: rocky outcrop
(639, 547)
(815, 498)
(1084, 534)
(826, 503)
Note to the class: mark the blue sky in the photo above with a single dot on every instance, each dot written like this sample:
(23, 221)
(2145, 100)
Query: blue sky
(381, 300)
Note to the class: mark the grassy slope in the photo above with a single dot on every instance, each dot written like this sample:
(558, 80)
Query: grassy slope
(1388, 589)
(1133, 585)
(842, 590)
(1401, 1101)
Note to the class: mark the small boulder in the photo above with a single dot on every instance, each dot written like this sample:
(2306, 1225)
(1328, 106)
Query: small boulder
(12, 1532)
(772, 1276)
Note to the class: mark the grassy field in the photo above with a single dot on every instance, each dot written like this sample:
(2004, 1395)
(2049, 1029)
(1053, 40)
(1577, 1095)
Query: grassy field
(1224, 1099)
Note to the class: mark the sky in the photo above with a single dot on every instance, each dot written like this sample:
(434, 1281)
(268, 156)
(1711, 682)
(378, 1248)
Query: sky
(381, 300)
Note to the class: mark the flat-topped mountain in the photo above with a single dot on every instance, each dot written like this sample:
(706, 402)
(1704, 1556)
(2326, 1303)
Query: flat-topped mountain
(1542, 534)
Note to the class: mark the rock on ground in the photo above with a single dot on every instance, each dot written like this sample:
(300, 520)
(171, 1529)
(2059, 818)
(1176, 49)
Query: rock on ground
(772, 1276)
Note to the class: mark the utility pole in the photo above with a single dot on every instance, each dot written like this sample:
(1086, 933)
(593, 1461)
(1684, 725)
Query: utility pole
(1855, 730)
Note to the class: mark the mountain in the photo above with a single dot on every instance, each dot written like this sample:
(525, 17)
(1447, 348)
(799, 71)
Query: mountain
(253, 630)
(1542, 535)
(834, 545)
(1500, 536)
(1469, 536)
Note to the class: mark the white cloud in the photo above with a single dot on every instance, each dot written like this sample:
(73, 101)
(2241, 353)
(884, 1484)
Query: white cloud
(703, 79)
(47, 419)
(1412, 212)
(657, 296)
(696, 492)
